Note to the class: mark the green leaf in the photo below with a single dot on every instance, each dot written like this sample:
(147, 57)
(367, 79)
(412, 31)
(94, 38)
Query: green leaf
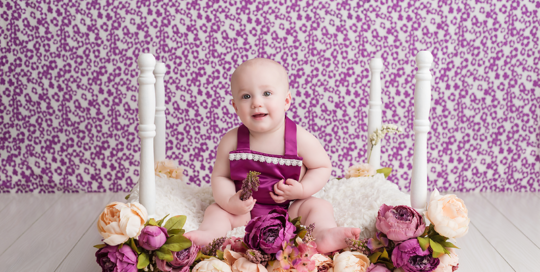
(160, 222)
(374, 257)
(219, 254)
(438, 238)
(100, 246)
(302, 234)
(384, 255)
(181, 241)
(151, 222)
(448, 244)
(164, 254)
(424, 242)
(176, 231)
(133, 245)
(438, 249)
(120, 246)
(296, 220)
(143, 261)
(386, 171)
(127, 197)
(176, 222)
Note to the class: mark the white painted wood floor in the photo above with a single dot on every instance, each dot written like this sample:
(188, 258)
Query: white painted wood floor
(56, 232)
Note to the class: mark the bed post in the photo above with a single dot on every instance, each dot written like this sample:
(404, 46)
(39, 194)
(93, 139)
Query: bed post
(159, 141)
(422, 104)
(375, 111)
(147, 132)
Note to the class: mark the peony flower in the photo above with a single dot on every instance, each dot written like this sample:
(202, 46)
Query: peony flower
(236, 244)
(110, 258)
(243, 265)
(449, 215)
(378, 267)
(181, 260)
(411, 258)
(322, 262)
(360, 170)
(153, 237)
(448, 263)
(168, 168)
(400, 223)
(268, 232)
(231, 256)
(118, 222)
(350, 262)
(211, 265)
(378, 242)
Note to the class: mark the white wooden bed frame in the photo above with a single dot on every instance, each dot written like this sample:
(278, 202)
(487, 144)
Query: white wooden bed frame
(152, 122)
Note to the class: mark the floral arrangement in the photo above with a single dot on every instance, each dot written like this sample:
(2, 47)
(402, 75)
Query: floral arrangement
(404, 242)
(168, 168)
(276, 243)
(366, 170)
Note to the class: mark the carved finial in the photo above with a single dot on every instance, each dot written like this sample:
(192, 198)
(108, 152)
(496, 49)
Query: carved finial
(160, 68)
(146, 61)
(424, 59)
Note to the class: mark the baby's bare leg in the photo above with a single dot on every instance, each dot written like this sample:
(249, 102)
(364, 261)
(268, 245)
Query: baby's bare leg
(329, 237)
(216, 223)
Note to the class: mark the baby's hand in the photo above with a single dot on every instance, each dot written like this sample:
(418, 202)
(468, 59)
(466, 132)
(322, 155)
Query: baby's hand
(238, 207)
(289, 190)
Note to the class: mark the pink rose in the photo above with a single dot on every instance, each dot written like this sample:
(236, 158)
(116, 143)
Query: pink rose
(377, 268)
(400, 223)
(236, 244)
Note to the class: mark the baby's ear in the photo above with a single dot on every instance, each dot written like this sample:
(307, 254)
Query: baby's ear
(288, 100)
(234, 105)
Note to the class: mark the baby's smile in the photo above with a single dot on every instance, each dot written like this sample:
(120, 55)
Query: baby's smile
(259, 116)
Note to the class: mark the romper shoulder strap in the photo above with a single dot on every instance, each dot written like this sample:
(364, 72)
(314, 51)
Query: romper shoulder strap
(290, 137)
(242, 138)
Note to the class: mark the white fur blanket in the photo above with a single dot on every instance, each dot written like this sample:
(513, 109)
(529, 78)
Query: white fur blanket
(356, 201)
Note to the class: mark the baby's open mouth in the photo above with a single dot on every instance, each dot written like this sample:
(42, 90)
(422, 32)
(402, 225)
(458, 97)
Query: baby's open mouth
(260, 115)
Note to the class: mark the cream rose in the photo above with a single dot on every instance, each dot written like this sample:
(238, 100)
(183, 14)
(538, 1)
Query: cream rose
(360, 170)
(231, 256)
(448, 262)
(168, 168)
(243, 265)
(449, 215)
(322, 262)
(275, 266)
(350, 262)
(118, 222)
(212, 265)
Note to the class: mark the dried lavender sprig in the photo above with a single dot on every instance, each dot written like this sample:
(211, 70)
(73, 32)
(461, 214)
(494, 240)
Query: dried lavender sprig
(358, 245)
(212, 248)
(250, 184)
(257, 257)
(309, 233)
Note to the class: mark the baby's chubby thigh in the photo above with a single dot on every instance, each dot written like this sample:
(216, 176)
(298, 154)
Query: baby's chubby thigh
(309, 207)
(236, 220)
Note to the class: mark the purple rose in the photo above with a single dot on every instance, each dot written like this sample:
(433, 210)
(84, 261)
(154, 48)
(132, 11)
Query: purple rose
(410, 257)
(153, 237)
(182, 260)
(400, 223)
(268, 232)
(378, 267)
(112, 259)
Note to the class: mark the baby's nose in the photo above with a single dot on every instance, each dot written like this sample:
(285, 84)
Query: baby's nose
(256, 103)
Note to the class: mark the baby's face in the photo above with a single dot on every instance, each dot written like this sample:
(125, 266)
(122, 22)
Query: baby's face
(260, 95)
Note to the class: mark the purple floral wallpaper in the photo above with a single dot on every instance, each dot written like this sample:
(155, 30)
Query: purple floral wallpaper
(68, 82)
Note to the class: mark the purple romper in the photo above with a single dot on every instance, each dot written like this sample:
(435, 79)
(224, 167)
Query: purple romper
(273, 168)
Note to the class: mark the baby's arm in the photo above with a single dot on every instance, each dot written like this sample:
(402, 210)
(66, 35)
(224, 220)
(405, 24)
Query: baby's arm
(223, 188)
(318, 169)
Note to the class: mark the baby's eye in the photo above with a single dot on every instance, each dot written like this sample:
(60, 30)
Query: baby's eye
(246, 96)
(267, 93)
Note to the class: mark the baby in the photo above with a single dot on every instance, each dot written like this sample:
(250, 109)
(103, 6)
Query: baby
(292, 163)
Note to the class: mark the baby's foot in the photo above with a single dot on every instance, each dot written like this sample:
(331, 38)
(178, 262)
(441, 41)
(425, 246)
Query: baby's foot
(333, 239)
(199, 237)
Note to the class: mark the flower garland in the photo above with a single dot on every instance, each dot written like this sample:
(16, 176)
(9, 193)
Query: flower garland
(276, 243)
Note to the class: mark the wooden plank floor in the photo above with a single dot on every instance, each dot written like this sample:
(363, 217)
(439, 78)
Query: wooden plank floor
(57, 232)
